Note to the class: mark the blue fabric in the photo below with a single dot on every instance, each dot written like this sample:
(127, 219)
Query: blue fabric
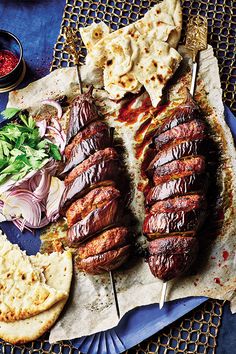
(37, 25)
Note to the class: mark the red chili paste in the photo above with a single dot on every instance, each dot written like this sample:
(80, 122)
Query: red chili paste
(8, 62)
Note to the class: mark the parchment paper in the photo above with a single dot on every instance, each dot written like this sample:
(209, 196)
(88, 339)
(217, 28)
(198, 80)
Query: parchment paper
(90, 308)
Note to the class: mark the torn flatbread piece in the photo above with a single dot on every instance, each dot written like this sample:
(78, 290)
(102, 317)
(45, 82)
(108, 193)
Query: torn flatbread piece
(58, 275)
(23, 289)
(123, 54)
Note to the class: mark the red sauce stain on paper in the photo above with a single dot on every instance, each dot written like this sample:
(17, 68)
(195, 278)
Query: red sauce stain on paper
(130, 115)
(225, 255)
(217, 281)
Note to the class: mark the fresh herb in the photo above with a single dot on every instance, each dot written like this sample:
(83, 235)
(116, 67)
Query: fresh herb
(21, 147)
(9, 113)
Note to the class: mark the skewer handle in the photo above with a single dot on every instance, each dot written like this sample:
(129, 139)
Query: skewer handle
(194, 77)
(112, 280)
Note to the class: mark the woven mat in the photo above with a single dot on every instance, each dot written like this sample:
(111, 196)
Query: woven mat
(197, 332)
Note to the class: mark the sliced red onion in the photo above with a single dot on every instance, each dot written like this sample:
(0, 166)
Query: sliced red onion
(57, 125)
(59, 138)
(54, 104)
(54, 198)
(42, 125)
(43, 185)
(21, 204)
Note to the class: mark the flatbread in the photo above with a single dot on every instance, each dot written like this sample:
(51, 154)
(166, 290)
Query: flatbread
(124, 54)
(23, 289)
(58, 274)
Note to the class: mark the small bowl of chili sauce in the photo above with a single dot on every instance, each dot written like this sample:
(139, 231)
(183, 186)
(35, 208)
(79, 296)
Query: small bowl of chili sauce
(12, 65)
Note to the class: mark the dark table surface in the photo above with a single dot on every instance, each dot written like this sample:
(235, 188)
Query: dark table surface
(37, 24)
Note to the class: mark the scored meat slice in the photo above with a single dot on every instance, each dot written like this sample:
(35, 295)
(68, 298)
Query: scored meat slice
(107, 154)
(95, 199)
(106, 241)
(156, 225)
(180, 203)
(195, 129)
(176, 151)
(172, 256)
(179, 168)
(95, 222)
(190, 184)
(88, 132)
(86, 148)
(185, 112)
(105, 262)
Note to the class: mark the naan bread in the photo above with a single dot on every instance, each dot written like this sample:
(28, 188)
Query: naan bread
(58, 275)
(23, 288)
(124, 54)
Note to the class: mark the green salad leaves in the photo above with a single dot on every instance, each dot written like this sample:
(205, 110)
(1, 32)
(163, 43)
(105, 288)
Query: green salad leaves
(21, 147)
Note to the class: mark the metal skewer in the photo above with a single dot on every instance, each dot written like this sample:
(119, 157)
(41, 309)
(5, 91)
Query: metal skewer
(71, 48)
(163, 295)
(196, 40)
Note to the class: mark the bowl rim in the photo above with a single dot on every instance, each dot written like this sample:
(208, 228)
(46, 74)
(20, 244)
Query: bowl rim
(10, 34)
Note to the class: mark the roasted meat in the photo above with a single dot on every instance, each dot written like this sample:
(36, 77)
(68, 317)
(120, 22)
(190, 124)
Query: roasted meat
(95, 199)
(177, 151)
(195, 129)
(179, 169)
(159, 224)
(105, 262)
(180, 203)
(190, 184)
(82, 112)
(96, 221)
(172, 256)
(107, 154)
(108, 240)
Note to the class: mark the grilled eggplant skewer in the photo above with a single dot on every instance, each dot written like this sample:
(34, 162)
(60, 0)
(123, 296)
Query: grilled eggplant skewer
(176, 203)
(91, 200)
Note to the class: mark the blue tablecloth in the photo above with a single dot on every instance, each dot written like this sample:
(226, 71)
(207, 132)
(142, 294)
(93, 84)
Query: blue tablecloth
(37, 25)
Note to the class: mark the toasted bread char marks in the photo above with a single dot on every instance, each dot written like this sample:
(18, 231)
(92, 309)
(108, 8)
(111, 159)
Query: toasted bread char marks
(195, 129)
(106, 261)
(164, 223)
(176, 187)
(179, 203)
(58, 270)
(99, 156)
(141, 54)
(178, 169)
(94, 222)
(106, 241)
(172, 256)
(176, 151)
(95, 199)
